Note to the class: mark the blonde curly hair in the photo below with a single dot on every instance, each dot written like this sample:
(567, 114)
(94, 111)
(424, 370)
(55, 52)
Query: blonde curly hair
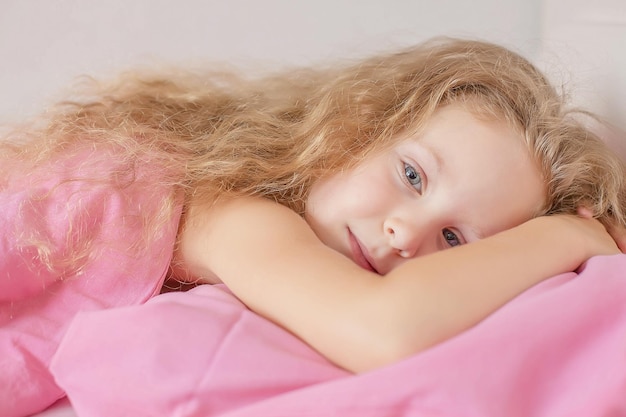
(218, 133)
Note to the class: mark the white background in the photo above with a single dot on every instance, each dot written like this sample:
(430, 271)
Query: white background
(44, 45)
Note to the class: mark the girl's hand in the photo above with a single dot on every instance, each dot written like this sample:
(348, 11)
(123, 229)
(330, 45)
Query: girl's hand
(617, 232)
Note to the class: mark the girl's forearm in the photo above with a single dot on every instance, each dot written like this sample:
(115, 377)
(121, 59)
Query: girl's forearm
(431, 299)
(271, 260)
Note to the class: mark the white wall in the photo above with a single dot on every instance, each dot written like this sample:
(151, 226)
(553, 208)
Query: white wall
(45, 44)
(584, 44)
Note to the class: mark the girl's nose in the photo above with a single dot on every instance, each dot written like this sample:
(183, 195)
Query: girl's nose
(404, 237)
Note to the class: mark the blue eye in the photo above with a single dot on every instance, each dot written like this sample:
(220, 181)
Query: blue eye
(413, 177)
(450, 237)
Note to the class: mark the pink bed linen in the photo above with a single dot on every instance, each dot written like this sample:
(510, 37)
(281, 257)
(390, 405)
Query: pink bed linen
(37, 305)
(559, 349)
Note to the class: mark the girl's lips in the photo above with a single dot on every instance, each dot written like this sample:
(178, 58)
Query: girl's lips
(359, 255)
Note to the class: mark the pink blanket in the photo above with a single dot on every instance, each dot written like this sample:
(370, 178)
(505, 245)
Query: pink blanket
(557, 350)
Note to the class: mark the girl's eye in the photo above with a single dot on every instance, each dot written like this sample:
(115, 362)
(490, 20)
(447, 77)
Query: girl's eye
(450, 237)
(413, 177)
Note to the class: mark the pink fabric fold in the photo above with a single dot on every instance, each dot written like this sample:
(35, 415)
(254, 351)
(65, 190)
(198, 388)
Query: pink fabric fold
(559, 349)
(71, 193)
(165, 366)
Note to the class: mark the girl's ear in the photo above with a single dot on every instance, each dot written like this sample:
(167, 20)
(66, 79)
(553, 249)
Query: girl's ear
(585, 212)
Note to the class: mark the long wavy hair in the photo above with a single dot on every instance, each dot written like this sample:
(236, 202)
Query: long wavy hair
(217, 133)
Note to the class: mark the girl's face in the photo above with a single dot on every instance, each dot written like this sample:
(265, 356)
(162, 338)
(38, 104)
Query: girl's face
(462, 179)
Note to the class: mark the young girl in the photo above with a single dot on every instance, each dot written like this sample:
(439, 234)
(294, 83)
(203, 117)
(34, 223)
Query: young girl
(371, 209)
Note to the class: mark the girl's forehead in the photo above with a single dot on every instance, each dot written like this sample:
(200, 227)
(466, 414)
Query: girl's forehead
(461, 123)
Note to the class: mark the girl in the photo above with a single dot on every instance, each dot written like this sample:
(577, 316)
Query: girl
(370, 209)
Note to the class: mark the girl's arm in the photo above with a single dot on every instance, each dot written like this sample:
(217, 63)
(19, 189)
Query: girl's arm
(272, 260)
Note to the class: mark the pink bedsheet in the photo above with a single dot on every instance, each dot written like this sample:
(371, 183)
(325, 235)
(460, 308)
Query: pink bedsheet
(559, 349)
